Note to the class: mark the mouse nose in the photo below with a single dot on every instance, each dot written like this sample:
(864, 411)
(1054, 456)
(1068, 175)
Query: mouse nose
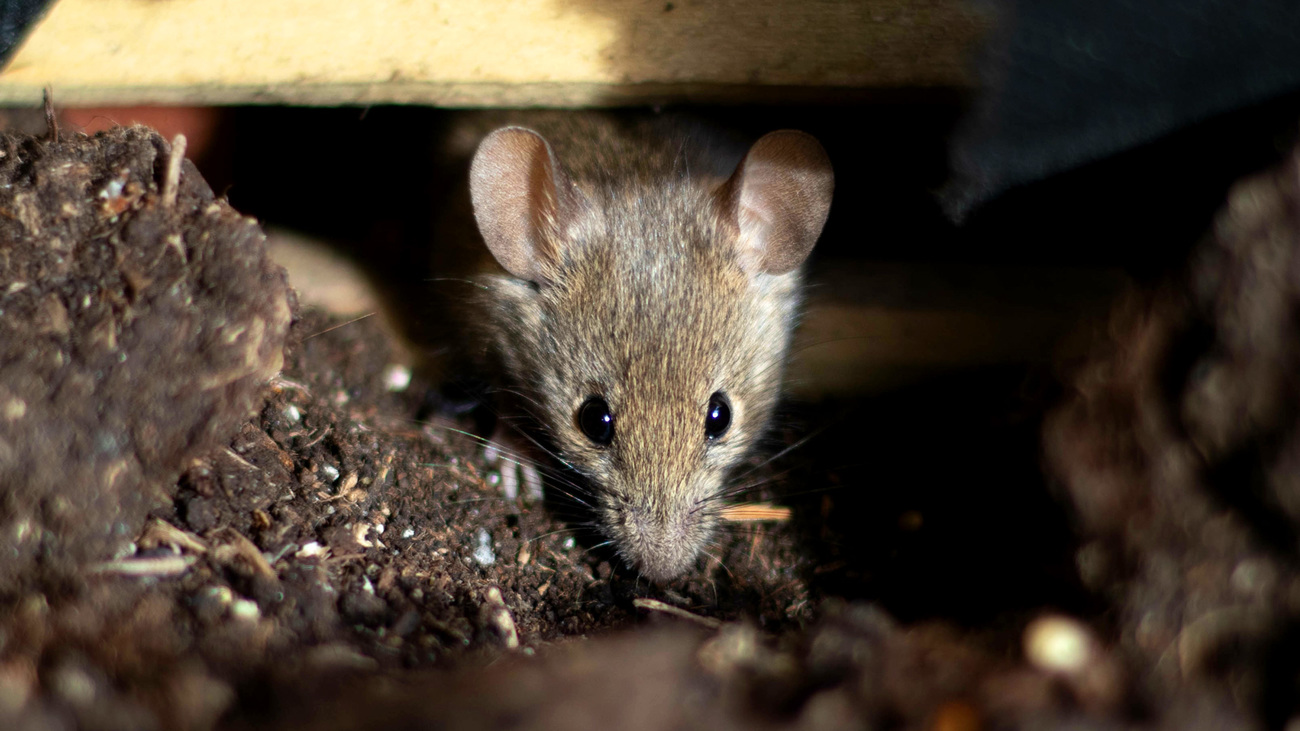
(662, 545)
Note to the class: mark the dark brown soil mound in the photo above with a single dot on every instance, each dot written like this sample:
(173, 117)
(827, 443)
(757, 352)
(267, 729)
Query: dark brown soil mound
(1181, 453)
(136, 335)
(196, 537)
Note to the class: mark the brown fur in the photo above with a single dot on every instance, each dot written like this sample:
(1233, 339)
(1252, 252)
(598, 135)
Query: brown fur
(638, 294)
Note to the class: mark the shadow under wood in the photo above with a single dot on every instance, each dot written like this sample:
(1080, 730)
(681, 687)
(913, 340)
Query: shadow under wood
(931, 501)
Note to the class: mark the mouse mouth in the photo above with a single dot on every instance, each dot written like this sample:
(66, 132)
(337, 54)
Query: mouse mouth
(660, 545)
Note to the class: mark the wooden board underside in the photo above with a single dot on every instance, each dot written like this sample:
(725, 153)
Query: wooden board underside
(487, 52)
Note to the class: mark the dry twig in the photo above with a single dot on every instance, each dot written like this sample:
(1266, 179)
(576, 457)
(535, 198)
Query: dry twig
(173, 178)
(755, 513)
(654, 605)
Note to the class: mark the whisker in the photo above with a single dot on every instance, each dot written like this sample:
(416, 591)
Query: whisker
(747, 487)
(718, 560)
(798, 443)
(552, 533)
(508, 454)
(461, 280)
(817, 490)
(602, 544)
(341, 324)
(518, 394)
(824, 341)
(474, 500)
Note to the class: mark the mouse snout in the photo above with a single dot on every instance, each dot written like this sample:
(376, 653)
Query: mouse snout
(660, 544)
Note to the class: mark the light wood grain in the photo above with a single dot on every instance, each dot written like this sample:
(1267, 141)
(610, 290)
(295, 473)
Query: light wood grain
(485, 52)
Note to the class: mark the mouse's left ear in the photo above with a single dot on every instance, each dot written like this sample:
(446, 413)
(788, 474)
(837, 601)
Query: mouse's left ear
(521, 198)
(778, 198)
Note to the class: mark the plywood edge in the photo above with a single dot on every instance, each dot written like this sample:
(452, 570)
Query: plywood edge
(561, 95)
(487, 53)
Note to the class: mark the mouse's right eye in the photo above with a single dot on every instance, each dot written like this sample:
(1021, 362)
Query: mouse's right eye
(596, 421)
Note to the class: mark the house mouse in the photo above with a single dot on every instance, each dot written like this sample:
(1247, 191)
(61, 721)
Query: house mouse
(639, 298)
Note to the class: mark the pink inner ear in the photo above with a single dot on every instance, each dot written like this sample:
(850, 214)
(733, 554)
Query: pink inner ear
(755, 224)
(516, 186)
(785, 186)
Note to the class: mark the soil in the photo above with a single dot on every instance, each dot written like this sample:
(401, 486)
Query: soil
(293, 542)
(139, 322)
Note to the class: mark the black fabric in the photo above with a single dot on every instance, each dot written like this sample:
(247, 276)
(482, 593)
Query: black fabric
(1066, 82)
(16, 18)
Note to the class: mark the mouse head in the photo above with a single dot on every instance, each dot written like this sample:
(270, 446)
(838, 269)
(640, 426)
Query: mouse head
(646, 316)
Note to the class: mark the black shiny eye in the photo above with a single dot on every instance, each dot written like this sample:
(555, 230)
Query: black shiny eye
(718, 417)
(596, 421)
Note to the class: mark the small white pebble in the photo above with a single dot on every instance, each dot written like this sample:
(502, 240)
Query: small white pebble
(292, 413)
(310, 550)
(222, 594)
(330, 471)
(14, 409)
(483, 549)
(397, 377)
(1251, 577)
(379, 528)
(74, 685)
(113, 189)
(493, 479)
(408, 533)
(569, 543)
(359, 532)
(1058, 644)
(127, 550)
(490, 453)
(245, 610)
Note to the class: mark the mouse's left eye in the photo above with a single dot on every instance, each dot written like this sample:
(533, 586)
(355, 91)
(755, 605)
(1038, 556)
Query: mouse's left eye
(718, 417)
(596, 420)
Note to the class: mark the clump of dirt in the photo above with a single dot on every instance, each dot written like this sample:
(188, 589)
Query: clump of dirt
(333, 536)
(137, 326)
(1180, 452)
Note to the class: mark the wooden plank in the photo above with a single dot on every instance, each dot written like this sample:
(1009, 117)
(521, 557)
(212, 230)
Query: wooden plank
(870, 327)
(486, 52)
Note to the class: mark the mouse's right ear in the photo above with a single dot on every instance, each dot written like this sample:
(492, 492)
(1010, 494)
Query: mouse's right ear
(778, 199)
(521, 196)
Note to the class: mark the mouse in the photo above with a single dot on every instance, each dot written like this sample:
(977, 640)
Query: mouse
(637, 287)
